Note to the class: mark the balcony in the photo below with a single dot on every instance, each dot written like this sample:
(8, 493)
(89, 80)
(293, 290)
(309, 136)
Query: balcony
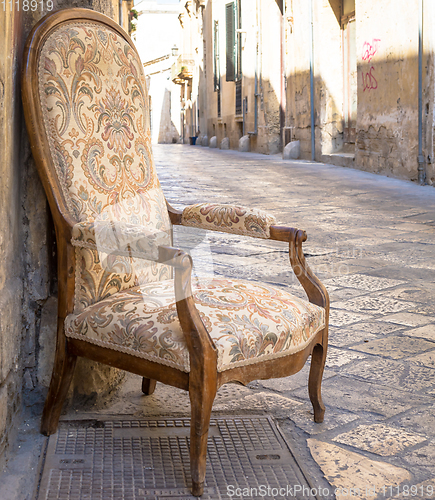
(182, 70)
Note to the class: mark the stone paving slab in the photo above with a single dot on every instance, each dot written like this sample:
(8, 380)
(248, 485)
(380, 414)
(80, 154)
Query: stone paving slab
(425, 332)
(372, 400)
(396, 347)
(380, 439)
(360, 332)
(409, 319)
(405, 376)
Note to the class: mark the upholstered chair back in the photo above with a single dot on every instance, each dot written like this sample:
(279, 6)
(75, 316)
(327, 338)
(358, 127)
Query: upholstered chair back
(95, 111)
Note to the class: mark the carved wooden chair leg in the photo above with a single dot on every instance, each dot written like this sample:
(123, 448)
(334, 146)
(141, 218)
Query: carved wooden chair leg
(201, 401)
(63, 372)
(318, 358)
(148, 386)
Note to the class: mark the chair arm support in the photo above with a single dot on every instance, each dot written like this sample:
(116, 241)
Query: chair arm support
(201, 346)
(314, 288)
(174, 214)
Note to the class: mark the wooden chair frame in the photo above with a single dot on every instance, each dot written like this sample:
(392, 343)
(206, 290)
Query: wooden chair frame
(204, 380)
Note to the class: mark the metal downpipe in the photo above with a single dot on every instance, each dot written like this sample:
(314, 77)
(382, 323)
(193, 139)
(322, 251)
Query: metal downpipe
(420, 159)
(313, 131)
(255, 132)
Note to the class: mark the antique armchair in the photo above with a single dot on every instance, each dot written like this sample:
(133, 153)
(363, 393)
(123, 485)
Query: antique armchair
(126, 297)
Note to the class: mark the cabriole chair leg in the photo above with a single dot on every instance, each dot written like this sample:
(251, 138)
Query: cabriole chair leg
(318, 358)
(63, 372)
(201, 404)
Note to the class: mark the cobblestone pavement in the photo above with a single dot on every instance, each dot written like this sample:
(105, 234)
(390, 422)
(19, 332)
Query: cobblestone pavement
(371, 241)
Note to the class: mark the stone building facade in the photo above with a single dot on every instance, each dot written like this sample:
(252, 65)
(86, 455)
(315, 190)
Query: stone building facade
(188, 70)
(235, 86)
(28, 306)
(339, 76)
(157, 39)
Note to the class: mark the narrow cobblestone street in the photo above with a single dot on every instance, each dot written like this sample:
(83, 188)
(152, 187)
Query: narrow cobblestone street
(371, 241)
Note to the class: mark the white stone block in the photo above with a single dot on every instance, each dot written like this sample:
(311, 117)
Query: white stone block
(213, 142)
(244, 144)
(225, 143)
(204, 141)
(292, 151)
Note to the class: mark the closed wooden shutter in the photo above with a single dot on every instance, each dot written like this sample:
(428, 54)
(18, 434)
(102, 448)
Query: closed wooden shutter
(238, 49)
(231, 41)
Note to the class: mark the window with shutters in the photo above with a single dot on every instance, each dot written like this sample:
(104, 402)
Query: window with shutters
(230, 21)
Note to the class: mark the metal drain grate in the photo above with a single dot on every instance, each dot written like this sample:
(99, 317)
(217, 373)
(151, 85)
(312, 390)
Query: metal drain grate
(149, 460)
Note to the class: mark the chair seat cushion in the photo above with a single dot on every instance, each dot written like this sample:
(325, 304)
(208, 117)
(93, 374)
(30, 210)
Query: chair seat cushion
(249, 322)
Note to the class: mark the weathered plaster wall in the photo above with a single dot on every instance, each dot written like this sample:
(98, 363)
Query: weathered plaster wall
(28, 309)
(328, 76)
(270, 54)
(11, 287)
(328, 79)
(387, 83)
(429, 90)
(193, 120)
(387, 140)
(298, 76)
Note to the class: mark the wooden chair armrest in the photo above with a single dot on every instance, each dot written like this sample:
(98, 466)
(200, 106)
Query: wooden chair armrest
(314, 288)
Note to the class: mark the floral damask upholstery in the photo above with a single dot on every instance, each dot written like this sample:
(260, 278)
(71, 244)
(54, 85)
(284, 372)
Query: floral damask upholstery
(248, 322)
(229, 218)
(114, 255)
(95, 107)
(119, 237)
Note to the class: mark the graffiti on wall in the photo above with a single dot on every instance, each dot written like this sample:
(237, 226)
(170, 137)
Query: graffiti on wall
(369, 80)
(369, 51)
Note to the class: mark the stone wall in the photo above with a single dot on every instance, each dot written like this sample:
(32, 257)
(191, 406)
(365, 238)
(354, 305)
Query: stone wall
(28, 307)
